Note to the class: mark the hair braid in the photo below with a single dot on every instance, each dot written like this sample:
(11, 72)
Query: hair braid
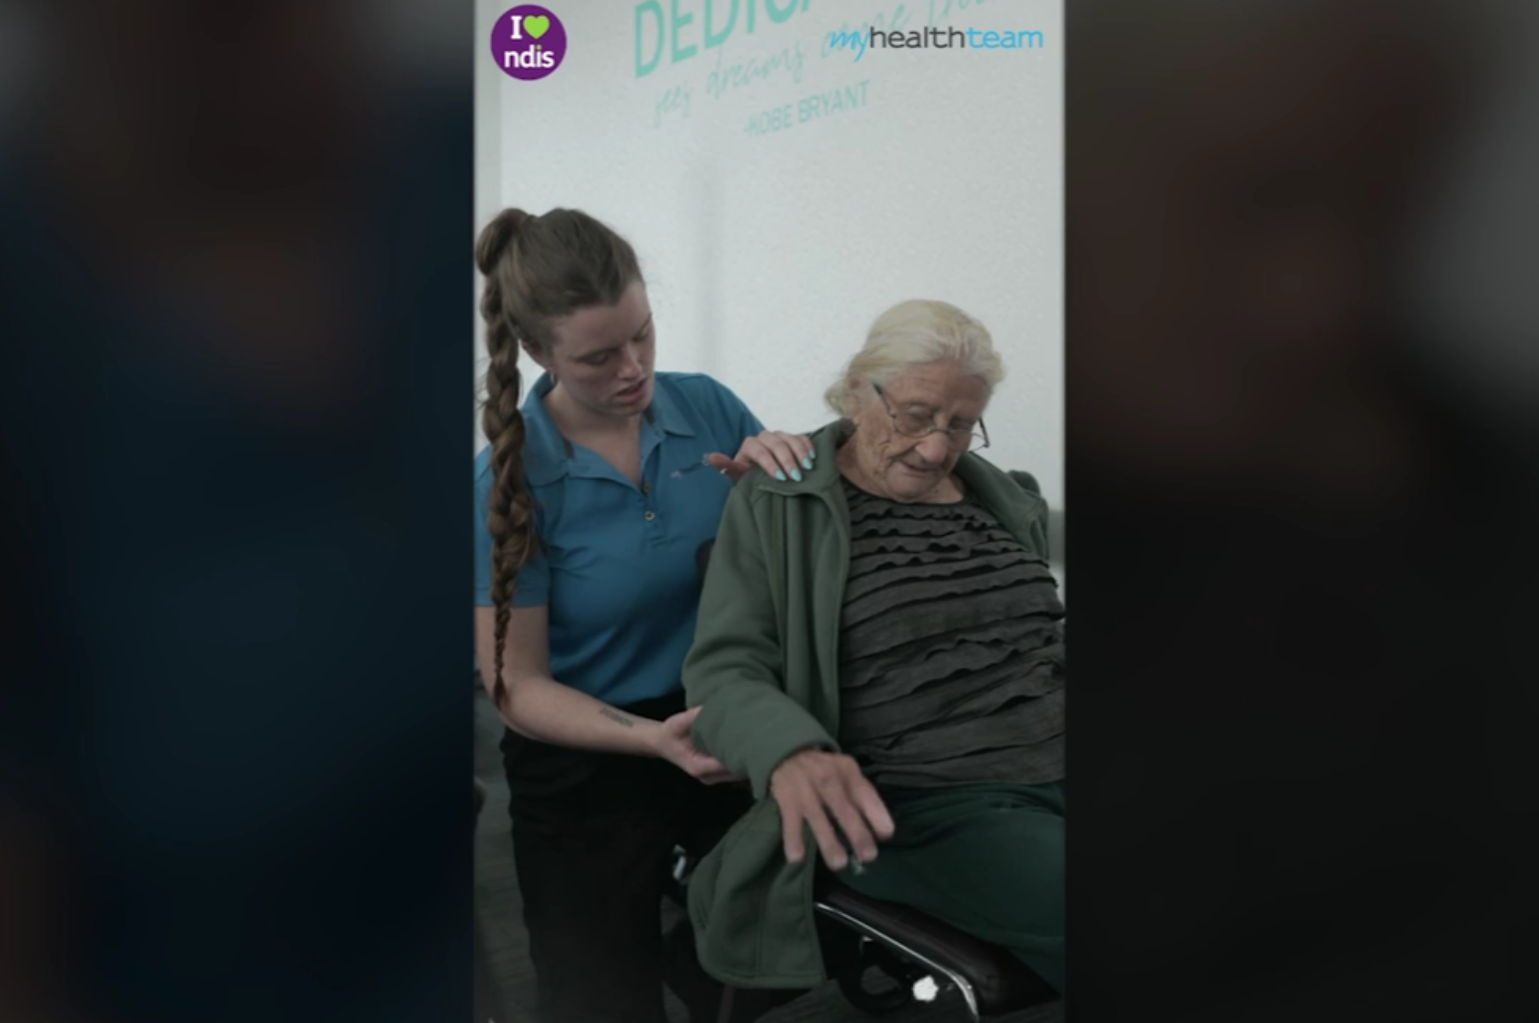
(537, 270)
(509, 511)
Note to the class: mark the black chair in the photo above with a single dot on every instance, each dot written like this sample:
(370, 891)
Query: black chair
(922, 957)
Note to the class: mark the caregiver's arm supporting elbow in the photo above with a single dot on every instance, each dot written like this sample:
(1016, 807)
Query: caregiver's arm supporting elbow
(538, 707)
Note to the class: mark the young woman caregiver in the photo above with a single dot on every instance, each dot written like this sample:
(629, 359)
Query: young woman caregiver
(591, 502)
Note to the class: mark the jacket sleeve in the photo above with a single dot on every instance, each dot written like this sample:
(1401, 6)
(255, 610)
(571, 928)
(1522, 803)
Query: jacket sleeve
(735, 670)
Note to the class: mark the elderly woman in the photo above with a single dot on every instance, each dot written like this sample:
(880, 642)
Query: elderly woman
(879, 651)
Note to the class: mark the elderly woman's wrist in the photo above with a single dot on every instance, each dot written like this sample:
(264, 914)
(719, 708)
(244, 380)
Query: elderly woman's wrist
(811, 747)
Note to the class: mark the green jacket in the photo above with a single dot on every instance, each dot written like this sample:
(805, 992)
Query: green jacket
(764, 666)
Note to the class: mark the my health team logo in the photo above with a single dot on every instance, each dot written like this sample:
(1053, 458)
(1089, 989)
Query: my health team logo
(528, 42)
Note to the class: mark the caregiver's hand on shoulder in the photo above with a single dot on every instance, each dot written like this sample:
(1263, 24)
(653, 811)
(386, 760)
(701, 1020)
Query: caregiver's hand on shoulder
(782, 455)
(673, 744)
(814, 786)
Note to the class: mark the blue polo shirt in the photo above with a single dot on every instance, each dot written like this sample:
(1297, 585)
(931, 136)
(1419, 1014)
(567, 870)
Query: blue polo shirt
(617, 563)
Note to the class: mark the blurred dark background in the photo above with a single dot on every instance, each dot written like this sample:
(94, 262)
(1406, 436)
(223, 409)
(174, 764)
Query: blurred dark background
(235, 748)
(1302, 486)
(235, 284)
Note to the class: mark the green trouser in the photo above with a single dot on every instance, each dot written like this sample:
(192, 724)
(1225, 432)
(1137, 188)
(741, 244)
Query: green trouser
(987, 859)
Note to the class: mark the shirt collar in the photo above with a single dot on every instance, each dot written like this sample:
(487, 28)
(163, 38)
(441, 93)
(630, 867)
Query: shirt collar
(548, 456)
(664, 412)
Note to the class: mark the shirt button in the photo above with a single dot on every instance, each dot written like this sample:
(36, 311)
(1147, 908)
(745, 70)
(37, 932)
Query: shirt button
(651, 516)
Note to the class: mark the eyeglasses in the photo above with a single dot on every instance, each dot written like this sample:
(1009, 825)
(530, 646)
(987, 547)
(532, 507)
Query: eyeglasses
(918, 425)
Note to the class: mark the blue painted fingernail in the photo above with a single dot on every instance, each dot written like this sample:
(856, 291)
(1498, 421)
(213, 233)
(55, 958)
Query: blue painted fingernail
(780, 476)
(807, 464)
(796, 474)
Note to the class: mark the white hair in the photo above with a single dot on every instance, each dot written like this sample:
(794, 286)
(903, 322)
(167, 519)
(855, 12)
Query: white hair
(917, 333)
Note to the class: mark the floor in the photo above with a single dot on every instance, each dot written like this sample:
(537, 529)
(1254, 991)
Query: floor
(499, 922)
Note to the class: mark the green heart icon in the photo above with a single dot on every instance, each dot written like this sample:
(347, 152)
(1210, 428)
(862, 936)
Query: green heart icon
(537, 26)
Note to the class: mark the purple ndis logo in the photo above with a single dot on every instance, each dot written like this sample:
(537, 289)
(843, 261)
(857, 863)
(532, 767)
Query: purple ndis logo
(528, 42)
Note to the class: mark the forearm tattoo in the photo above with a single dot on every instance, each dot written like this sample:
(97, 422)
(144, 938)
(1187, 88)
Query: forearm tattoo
(617, 717)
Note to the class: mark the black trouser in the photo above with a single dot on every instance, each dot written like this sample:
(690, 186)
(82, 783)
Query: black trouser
(593, 836)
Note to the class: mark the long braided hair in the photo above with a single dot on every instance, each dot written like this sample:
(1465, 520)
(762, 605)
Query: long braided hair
(537, 270)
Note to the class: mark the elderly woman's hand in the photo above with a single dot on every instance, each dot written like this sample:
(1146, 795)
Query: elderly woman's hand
(813, 785)
(779, 454)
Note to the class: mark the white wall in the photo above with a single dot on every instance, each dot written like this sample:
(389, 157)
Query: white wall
(768, 255)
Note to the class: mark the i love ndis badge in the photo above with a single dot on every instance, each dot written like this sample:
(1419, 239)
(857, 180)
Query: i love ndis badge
(528, 42)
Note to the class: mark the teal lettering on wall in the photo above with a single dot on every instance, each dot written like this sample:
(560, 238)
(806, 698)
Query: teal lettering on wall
(679, 21)
(644, 68)
(947, 6)
(717, 38)
(660, 30)
(779, 14)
